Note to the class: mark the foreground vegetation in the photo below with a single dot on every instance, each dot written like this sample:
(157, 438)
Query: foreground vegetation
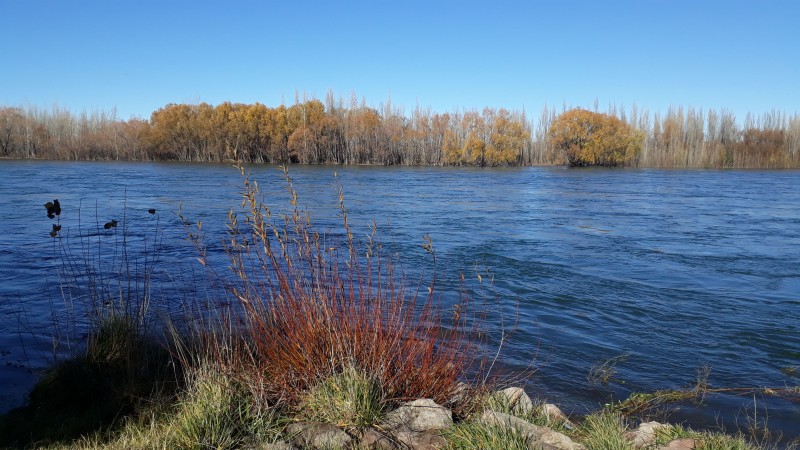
(313, 328)
(350, 132)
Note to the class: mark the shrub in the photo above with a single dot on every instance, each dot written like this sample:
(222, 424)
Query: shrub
(594, 139)
(310, 306)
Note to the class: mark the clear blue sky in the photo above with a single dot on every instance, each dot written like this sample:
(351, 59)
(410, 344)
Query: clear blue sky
(140, 55)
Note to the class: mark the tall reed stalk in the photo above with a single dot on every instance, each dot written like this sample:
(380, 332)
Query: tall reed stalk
(310, 306)
(105, 281)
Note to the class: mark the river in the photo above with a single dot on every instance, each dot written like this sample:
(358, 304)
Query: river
(667, 271)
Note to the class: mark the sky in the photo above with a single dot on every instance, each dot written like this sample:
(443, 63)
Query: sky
(135, 56)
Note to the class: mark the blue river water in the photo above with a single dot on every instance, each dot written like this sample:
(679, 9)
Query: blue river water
(662, 271)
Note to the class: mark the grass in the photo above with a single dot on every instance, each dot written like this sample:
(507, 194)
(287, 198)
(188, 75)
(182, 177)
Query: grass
(535, 415)
(604, 431)
(349, 399)
(476, 436)
(118, 374)
(215, 413)
(708, 440)
(209, 414)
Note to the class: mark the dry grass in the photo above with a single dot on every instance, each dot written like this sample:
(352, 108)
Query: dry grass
(310, 306)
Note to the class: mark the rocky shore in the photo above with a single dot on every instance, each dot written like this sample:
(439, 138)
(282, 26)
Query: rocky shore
(424, 425)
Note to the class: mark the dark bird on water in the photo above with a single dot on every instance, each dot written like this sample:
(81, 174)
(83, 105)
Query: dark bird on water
(112, 224)
(53, 208)
(56, 229)
(151, 211)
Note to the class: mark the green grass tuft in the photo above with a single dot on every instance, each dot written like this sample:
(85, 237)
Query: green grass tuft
(215, 413)
(604, 431)
(475, 436)
(350, 399)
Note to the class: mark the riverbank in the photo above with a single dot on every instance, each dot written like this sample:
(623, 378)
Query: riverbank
(80, 405)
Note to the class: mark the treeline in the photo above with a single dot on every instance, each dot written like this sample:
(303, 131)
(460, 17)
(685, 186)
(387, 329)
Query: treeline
(350, 132)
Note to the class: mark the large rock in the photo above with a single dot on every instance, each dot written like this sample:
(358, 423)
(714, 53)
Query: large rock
(318, 435)
(426, 440)
(280, 445)
(419, 415)
(555, 415)
(377, 440)
(680, 444)
(460, 393)
(517, 399)
(645, 435)
(536, 437)
(415, 425)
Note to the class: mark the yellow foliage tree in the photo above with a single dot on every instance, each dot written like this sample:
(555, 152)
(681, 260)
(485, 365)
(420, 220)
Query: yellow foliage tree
(593, 139)
(508, 139)
(451, 148)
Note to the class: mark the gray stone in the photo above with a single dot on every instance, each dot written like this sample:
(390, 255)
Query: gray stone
(539, 446)
(415, 424)
(645, 435)
(554, 415)
(377, 440)
(460, 393)
(537, 437)
(427, 440)
(555, 439)
(280, 445)
(680, 444)
(318, 435)
(419, 415)
(518, 399)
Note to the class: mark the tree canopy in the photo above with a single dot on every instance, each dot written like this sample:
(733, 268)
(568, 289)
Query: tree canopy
(341, 132)
(594, 139)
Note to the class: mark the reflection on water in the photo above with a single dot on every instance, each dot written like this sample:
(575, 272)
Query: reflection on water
(676, 269)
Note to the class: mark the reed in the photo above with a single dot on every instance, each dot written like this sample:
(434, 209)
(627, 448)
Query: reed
(107, 360)
(310, 307)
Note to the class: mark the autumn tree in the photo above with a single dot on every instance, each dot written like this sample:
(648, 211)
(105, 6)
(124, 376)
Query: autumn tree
(761, 148)
(335, 132)
(12, 124)
(507, 140)
(594, 139)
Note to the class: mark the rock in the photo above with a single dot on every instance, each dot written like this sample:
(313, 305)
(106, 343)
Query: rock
(376, 440)
(460, 392)
(414, 424)
(645, 435)
(556, 440)
(318, 435)
(419, 415)
(426, 440)
(554, 414)
(680, 444)
(280, 445)
(537, 437)
(518, 399)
